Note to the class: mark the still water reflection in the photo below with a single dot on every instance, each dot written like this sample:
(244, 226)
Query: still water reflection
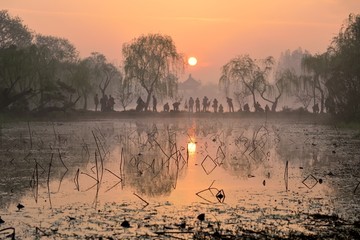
(299, 167)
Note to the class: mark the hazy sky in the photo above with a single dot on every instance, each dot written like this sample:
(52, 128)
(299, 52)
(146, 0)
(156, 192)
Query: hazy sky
(213, 31)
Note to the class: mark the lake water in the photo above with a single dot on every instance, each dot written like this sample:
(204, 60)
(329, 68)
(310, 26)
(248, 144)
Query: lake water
(250, 177)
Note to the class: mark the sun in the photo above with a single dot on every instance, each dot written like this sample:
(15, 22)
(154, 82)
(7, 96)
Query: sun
(192, 61)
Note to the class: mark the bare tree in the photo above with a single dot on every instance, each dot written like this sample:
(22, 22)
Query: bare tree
(126, 92)
(272, 92)
(103, 71)
(243, 72)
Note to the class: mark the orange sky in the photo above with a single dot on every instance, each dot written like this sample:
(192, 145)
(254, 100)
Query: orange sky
(214, 31)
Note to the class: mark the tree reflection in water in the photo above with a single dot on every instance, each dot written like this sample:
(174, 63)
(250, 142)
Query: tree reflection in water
(251, 162)
(153, 157)
(157, 155)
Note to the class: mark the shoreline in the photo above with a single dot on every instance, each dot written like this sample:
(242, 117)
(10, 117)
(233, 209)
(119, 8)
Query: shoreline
(92, 115)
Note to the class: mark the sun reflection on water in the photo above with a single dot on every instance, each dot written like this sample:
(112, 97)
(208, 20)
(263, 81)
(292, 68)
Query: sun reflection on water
(191, 146)
(247, 165)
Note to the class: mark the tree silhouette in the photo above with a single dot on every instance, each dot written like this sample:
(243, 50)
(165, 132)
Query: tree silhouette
(284, 82)
(344, 73)
(317, 67)
(243, 72)
(149, 61)
(13, 31)
(102, 71)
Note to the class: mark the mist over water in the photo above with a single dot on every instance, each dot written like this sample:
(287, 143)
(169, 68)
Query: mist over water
(259, 148)
(284, 168)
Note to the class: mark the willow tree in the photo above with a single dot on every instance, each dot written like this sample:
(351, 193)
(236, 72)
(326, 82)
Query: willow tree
(126, 92)
(284, 82)
(149, 60)
(103, 72)
(17, 78)
(53, 54)
(81, 80)
(317, 68)
(245, 73)
(15, 53)
(344, 76)
(13, 31)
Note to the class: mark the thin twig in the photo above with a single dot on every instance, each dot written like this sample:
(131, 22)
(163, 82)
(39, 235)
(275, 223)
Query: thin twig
(286, 175)
(61, 159)
(90, 176)
(31, 145)
(76, 179)
(37, 230)
(37, 181)
(356, 187)
(113, 186)
(61, 180)
(113, 174)
(142, 200)
(48, 180)
(101, 158)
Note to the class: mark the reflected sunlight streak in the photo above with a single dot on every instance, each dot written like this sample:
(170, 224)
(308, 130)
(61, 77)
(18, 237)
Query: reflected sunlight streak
(191, 148)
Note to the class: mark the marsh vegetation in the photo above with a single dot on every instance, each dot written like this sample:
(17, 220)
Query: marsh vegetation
(274, 179)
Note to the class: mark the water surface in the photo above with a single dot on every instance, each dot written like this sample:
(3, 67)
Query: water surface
(248, 176)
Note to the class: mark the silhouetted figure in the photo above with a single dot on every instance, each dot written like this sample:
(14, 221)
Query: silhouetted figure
(176, 106)
(191, 104)
(315, 108)
(106, 99)
(154, 104)
(221, 108)
(208, 105)
(230, 104)
(103, 102)
(111, 103)
(205, 103)
(166, 107)
(96, 101)
(267, 108)
(258, 107)
(246, 108)
(330, 105)
(215, 105)
(197, 105)
(140, 105)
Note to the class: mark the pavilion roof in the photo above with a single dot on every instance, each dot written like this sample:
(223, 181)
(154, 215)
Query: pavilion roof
(190, 83)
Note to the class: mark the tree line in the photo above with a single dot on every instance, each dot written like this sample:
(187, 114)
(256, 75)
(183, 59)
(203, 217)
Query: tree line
(44, 73)
(40, 72)
(329, 80)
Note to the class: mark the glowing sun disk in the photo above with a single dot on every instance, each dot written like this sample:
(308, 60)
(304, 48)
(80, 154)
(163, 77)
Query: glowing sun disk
(192, 61)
